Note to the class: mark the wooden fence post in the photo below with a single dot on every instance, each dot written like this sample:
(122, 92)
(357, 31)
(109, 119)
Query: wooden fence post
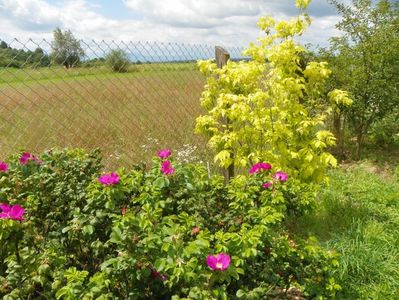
(222, 56)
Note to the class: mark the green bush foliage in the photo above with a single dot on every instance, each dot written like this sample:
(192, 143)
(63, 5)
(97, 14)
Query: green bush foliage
(385, 132)
(271, 107)
(66, 49)
(148, 235)
(20, 58)
(118, 61)
(365, 67)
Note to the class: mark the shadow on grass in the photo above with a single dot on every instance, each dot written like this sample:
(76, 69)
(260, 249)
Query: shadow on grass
(333, 216)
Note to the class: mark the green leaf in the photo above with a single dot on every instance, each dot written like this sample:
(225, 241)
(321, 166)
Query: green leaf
(116, 235)
(88, 229)
(161, 182)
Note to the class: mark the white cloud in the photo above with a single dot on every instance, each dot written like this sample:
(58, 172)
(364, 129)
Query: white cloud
(226, 22)
(193, 13)
(320, 30)
(32, 14)
(232, 21)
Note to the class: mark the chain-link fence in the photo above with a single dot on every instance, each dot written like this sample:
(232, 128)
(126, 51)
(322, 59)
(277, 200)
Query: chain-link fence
(128, 99)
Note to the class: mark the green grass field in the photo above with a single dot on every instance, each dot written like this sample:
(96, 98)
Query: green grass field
(13, 76)
(358, 217)
(128, 115)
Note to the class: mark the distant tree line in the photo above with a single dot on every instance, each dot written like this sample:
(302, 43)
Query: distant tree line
(20, 58)
(66, 51)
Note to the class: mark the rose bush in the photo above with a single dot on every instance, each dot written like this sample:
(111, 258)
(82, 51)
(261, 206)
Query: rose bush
(151, 234)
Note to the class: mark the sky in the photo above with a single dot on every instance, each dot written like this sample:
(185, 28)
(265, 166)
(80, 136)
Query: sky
(221, 22)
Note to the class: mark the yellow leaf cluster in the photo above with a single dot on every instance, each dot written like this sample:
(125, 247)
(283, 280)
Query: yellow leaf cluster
(269, 108)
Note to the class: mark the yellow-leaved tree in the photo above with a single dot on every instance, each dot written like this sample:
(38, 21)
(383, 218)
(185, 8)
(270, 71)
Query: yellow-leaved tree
(271, 108)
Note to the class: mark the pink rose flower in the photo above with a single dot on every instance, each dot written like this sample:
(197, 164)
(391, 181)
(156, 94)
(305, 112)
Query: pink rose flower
(109, 179)
(164, 153)
(259, 167)
(3, 166)
(14, 212)
(166, 168)
(27, 157)
(23, 160)
(218, 262)
(281, 176)
(267, 185)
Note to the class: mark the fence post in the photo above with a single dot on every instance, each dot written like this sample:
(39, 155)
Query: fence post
(222, 56)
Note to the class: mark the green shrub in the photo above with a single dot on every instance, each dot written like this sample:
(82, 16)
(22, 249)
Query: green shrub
(271, 107)
(148, 235)
(385, 132)
(118, 61)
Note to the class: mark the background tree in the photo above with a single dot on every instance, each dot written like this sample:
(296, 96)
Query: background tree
(66, 49)
(118, 61)
(40, 58)
(3, 45)
(20, 58)
(364, 61)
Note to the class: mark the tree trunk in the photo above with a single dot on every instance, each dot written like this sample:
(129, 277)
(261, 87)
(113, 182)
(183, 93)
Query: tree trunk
(361, 133)
(230, 169)
(359, 145)
(222, 56)
(338, 133)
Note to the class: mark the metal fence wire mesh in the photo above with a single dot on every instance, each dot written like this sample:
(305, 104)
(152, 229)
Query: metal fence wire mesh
(56, 98)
